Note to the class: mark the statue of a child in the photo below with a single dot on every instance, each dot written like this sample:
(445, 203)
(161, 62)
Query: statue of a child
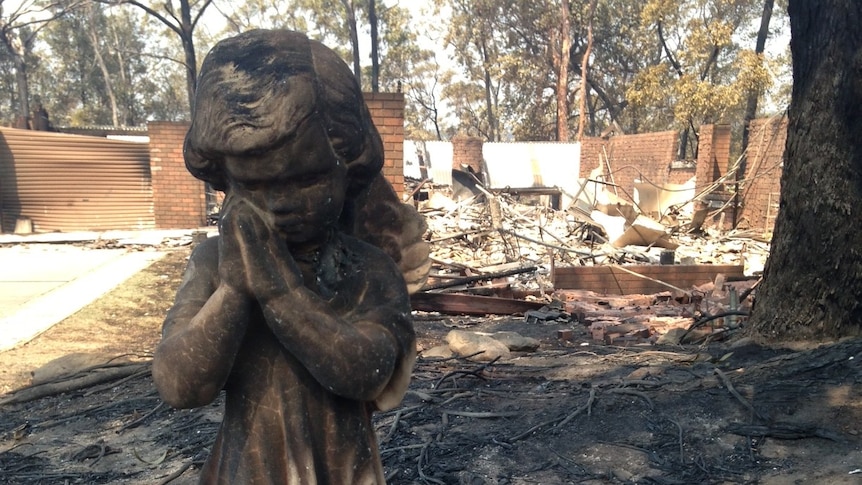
(305, 327)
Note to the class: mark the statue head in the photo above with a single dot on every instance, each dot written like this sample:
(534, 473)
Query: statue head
(279, 120)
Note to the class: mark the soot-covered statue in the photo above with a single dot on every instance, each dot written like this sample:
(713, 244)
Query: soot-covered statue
(299, 310)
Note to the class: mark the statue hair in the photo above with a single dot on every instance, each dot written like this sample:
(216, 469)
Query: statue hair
(253, 90)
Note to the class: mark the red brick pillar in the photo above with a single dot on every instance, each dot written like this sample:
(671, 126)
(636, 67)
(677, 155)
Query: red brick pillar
(467, 151)
(387, 113)
(713, 153)
(179, 200)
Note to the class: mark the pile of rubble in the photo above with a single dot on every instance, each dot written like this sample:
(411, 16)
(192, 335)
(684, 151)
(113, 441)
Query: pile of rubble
(490, 233)
(511, 247)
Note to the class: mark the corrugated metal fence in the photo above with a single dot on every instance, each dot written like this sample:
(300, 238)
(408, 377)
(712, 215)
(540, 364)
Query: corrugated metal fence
(74, 183)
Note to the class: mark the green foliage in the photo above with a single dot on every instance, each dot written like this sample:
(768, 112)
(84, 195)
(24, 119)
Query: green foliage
(703, 74)
(483, 67)
(143, 83)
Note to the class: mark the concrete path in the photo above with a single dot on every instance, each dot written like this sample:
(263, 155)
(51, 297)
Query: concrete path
(42, 284)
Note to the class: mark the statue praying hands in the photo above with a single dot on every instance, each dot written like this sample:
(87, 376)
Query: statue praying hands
(299, 310)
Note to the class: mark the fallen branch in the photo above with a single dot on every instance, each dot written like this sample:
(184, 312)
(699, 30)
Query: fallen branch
(481, 415)
(75, 383)
(782, 431)
(710, 318)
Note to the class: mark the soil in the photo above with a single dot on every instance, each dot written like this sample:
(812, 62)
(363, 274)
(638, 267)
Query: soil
(575, 411)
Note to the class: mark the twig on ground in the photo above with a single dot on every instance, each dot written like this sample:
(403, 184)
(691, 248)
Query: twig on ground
(631, 392)
(726, 381)
(456, 397)
(173, 476)
(586, 407)
(109, 385)
(474, 373)
(90, 411)
(392, 428)
(142, 418)
(422, 475)
(482, 415)
(679, 427)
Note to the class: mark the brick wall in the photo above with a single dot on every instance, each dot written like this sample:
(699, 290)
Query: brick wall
(645, 156)
(467, 151)
(713, 153)
(179, 200)
(387, 112)
(760, 192)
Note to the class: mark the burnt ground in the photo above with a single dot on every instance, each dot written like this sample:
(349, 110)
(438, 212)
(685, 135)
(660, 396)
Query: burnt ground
(573, 412)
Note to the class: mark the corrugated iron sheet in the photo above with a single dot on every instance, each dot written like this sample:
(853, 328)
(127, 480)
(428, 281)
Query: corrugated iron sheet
(74, 183)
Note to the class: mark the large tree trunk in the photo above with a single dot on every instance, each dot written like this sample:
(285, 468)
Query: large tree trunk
(812, 286)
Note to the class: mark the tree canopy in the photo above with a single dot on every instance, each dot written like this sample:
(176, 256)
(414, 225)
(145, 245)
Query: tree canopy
(501, 69)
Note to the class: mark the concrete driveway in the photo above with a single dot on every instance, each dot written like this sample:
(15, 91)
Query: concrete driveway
(43, 283)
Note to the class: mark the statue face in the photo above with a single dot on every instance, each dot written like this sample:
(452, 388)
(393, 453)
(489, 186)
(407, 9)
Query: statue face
(298, 186)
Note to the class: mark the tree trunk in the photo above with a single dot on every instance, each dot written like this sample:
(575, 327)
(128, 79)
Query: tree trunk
(489, 101)
(585, 63)
(563, 74)
(100, 61)
(17, 49)
(812, 287)
(23, 92)
(354, 39)
(375, 55)
(187, 28)
(751, 105)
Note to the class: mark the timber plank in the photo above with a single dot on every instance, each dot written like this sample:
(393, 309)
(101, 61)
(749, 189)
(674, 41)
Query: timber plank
(616, 280)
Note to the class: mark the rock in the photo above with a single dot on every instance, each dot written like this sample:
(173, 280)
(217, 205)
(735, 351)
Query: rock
(517, 342)
(438, 352)
(742, 342)
(672, 337)
(468, 343)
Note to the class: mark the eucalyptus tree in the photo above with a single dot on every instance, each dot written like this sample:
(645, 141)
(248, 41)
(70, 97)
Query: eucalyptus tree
(8, 93)
(336, 24)
(19, 26)
(263, 14)
(529, 58)
(478, 45)
(181, 18)
(700, 74)
(101, 55)
(621, 49)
